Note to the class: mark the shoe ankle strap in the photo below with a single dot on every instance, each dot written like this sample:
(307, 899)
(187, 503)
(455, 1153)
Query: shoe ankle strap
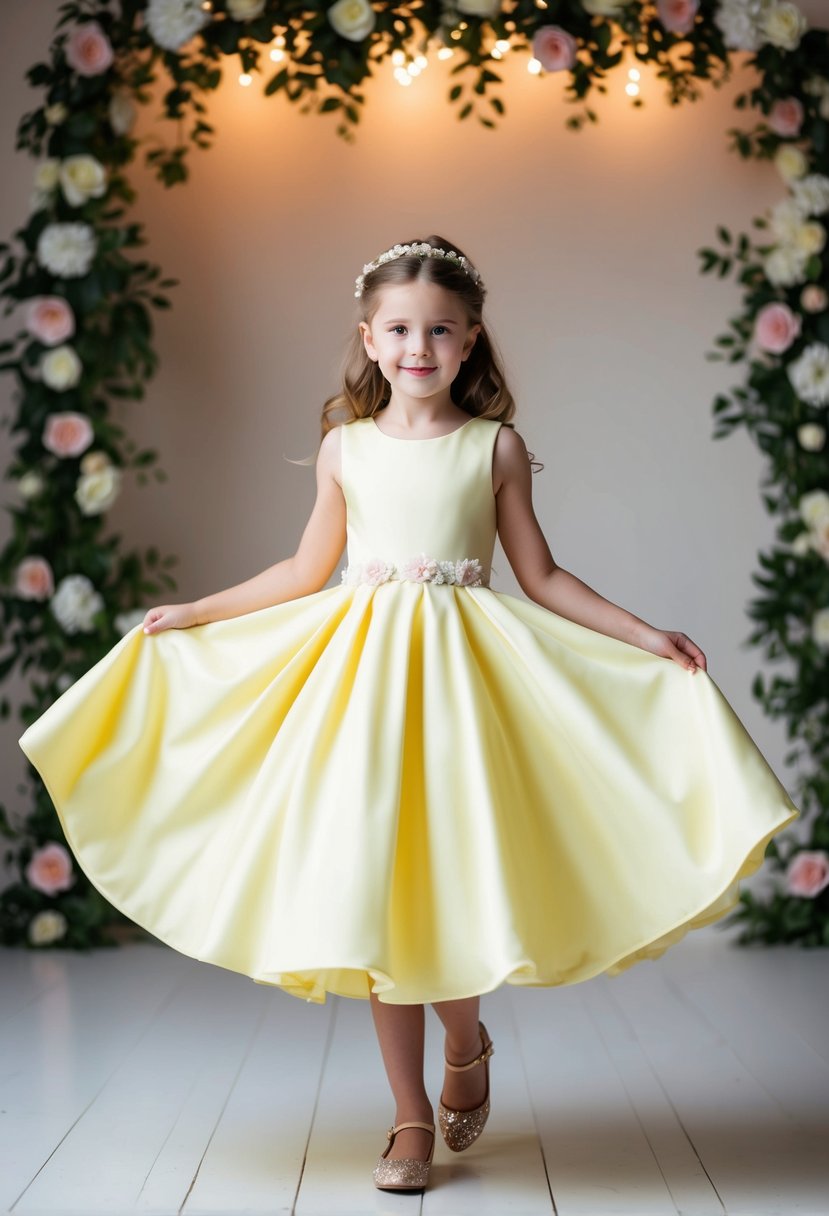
(427, 1127)
(482, 1058)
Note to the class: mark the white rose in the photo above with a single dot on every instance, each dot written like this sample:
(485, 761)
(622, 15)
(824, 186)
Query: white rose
(172, 23)
(820, 628)
(814, 508)
(810, 238)
(125, 621)
(96, 492)
(811, 194)
(122, 112)
(75, 603)
(67, 250)
(56, 114)
(790, 162)
(738, 21)
(30, 485)
(784, 25)
(478, 8)
(46, 926)
(809, 375)
(245, 10)
(81, 178)
(604, 8)
(61, 368)
(785, 266)
(802, 544)
(352, 19)
(46, 175)
(811, 437)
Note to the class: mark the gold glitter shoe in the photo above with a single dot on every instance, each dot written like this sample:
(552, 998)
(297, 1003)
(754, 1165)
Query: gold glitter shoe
(460, 1128)
(403, 1173)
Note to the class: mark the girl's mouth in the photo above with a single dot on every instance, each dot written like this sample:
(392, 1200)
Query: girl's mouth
(419, 371)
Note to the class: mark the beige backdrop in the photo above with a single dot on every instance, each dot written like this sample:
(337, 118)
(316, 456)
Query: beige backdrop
(587, 244)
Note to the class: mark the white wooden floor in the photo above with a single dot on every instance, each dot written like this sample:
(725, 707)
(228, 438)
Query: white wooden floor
(138, 1080)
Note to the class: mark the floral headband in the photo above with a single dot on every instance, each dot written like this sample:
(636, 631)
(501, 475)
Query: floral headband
(423, 250)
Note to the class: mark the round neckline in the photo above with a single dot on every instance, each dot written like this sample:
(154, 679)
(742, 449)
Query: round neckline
(426, 439)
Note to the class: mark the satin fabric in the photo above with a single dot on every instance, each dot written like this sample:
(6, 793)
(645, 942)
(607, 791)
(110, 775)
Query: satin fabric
(425, 790)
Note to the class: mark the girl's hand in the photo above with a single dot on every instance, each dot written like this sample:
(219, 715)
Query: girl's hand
(170, 616)
(672, 645)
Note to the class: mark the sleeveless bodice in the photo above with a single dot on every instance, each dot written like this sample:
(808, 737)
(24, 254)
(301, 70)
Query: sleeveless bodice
(406, 497)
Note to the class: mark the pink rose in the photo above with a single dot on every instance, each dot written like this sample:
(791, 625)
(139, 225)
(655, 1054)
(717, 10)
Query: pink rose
(807, 874)
(776, 327)
(33, 579)
(813, 298)
(554, 48)
(420, 569)
(677, 16)
(88, 50)
(67, 434)
(786, 116)
(50, 869)
(50, 319)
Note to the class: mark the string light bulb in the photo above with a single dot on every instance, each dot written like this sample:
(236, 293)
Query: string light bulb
(632, 87)
(534, 67)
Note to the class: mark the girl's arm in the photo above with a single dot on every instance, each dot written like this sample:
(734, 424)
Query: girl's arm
(542, 580)
(320, 548)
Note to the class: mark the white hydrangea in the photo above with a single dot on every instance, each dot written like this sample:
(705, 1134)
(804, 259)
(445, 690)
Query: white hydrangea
(75, 603)
(47, 926)
(740, 22)
(60, 368)
(785, 218)
(97, 490)
(172, 23)
(811, 194)
(67, 250)
(809, 374)
(785, 266)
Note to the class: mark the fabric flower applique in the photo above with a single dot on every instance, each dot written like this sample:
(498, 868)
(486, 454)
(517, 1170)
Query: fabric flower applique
(465, 572)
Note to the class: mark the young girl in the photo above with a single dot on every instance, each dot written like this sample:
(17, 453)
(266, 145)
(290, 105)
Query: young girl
(410, 787)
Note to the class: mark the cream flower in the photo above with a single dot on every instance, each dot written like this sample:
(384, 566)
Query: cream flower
(94, 462)
(82, 177)
(31, 485)
(97, 491)
(478, 8)
(46, 927)
(813, 508)
(811, 437)
(802, 544)
(810, 238)
(811, 194)
(786, 217)
(790, 162)
(785, 266)
(809, 374)
(61, 368)
(56, 114)
(352, 19)
(172, 23)
(604, 8)
(245, 10)
(47, 175)
(783, 25)
(75, 604)
(67, 250)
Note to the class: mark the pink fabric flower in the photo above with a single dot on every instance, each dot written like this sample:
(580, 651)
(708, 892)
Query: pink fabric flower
(50, 319)
(786, 116)
(88, 50)
(554, 48)
(50, 869)
(67, 434)
(420, 569)
(776, 327)
(33, 579)
(677, 16)
(813, 298)
(468, 571)
(807, 874)
(376, 571)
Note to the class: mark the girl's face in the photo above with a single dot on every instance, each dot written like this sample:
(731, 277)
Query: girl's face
(419, 336)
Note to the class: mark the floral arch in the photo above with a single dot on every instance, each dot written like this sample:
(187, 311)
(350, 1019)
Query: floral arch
(67, 592)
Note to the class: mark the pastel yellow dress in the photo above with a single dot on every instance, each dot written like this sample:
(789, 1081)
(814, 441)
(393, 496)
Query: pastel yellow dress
(426, 788)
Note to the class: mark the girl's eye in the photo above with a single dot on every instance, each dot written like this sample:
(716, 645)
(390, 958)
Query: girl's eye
(396, 328)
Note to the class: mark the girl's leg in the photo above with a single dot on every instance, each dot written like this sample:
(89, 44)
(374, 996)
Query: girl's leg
(462, 1090)
(400, 1030)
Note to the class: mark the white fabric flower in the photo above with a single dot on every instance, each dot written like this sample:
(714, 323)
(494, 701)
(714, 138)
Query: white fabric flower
(75, 603)
(60, 368)
(785, 266)
(82, 177)
(809, 374)
(172, 23)
(67, 250)
(95, 492)
(352, 19)
(31, 485)
(784, 25)
(47, 926)
(811, 194)
(811, 437)
(125, 621)
(47, 175)
(820, 628)
(245, 10)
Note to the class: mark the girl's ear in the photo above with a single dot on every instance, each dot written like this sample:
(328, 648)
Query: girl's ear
(470, 342)
(365, 333)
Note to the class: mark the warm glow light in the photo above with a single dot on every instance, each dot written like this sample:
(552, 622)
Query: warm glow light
(398, 57)
(462, 25)
(540, 3)
(277, 55)
(495, 53)
(455, 34)
(421, 61)
(503, 44)
(279, 40)
(245, 79)
(634, 73)
(414, 69)
(445, 52)
(632, 89)
(534, 66)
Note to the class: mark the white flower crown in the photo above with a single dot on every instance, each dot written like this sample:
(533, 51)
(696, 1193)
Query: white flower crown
(423, 250)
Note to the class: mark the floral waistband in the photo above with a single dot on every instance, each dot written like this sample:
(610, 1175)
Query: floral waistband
(465, 572)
